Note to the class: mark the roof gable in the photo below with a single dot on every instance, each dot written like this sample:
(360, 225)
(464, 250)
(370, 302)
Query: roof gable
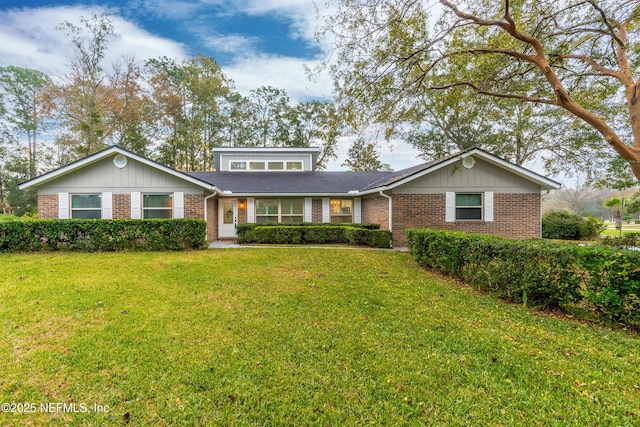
(100, 155)
(406, 175)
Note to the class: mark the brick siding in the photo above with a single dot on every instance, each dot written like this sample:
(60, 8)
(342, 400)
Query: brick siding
(515, 216)
(194, 206)
(48, 206)
(376, 211)
(242, 211)
(121, 206)
(212, 219)
(316, 210)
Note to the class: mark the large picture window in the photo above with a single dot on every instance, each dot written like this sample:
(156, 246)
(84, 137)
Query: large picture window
(86, 206)
(341, 210)
(267, 210)
(469, 207)
(292, 210)
(157, 206)
(279, 210)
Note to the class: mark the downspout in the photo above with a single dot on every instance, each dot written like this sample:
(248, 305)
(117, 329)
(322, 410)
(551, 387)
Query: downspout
(215, 193)
(390, 211)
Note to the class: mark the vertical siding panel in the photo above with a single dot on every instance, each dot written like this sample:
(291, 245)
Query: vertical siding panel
(135, 205)
(251, 210)
(357, 210)
(178, 204)
(450, 207)
(488, 206)
(107, 205)
(63, 205)
(308, 209)
(326, 213)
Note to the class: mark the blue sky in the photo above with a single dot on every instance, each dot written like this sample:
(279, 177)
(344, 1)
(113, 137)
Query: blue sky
(256, 42)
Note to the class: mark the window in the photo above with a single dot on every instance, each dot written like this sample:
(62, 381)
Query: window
(238, 166)
(279, 210)
(266, 210)
(469, 207)
(341, 210)
(256, 166)
(292, 210)
(86, 206)
(157, 206)
(262, 165)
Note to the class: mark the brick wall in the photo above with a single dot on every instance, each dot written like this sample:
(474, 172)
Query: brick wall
(212, 219)
(242, 211)
(48, 206)
(515, 216)
(376, 211)
(194, 206)
(121, 206)
(316, 210)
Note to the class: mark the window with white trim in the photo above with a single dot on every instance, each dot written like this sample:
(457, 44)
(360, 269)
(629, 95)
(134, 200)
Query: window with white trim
(256, 166)
(267, 210)
(238, 166)
(262, 165)
(157, 206)
(292, 210)
(86, 206)
(468, 206)
(341, 210)
(279, 210)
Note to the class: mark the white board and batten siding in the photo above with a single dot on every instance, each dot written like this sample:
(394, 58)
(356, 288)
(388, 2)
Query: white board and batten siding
(481, 177)
(104, 176)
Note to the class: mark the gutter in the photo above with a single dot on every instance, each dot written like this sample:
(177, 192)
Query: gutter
(390, 209)
(215, 193)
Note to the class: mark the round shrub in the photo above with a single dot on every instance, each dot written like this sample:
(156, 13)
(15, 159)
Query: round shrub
(565, 225)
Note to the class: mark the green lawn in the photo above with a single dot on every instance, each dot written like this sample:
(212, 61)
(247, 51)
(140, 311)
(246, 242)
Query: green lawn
(293, 337)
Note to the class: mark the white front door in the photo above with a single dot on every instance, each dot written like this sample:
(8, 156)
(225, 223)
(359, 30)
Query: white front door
(227, 218)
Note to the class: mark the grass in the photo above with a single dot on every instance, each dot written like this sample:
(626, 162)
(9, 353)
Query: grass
(294, 337)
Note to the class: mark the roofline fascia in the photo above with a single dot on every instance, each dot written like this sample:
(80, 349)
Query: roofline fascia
(64, 170)
(303, 149)
(232, 195)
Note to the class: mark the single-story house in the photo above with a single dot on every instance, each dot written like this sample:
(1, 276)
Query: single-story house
(472, 191)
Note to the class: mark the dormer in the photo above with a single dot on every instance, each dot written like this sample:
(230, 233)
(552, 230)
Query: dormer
(265, 159)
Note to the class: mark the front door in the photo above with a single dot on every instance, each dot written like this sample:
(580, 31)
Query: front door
(227, 218)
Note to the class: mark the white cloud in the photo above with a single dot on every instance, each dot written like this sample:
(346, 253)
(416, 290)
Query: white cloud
(231, 43)
(251, 72)
(29, 39)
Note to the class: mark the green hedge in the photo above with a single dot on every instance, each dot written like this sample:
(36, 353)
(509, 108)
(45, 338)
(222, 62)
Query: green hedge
(247, 227)
(602, 280)
(356, 234)
(565, 225)
(101, 235)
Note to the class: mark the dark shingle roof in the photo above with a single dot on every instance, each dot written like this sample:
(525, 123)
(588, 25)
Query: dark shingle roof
(290, 182)
(309, 182)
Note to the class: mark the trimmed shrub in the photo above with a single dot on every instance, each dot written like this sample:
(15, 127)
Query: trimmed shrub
(603, 280)
(565, 225)
(314, 233)
(102, 235)
(626, 241)
(246, 227)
